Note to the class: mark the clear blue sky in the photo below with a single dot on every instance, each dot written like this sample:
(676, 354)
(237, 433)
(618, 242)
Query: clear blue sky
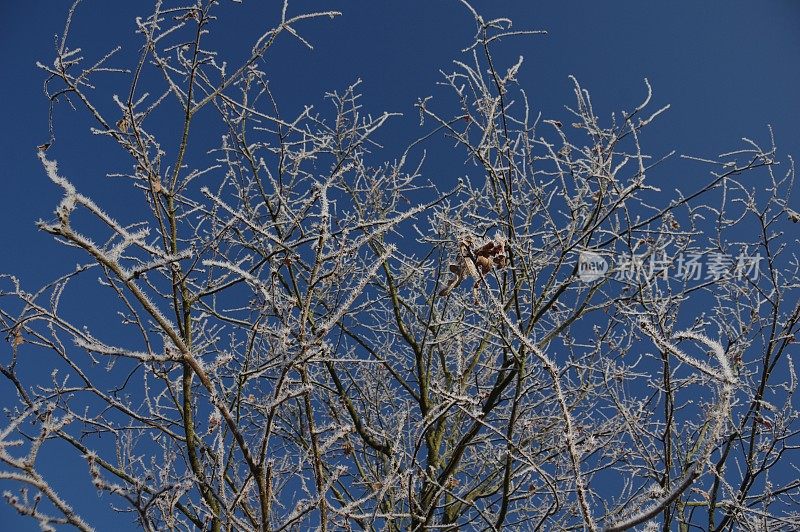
(727, 68)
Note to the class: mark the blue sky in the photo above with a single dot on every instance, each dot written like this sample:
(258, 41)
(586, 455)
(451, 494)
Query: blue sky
(726, 73)
(727, 69)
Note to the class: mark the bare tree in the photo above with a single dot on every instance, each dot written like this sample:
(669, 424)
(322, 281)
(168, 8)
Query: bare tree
(314, 334)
